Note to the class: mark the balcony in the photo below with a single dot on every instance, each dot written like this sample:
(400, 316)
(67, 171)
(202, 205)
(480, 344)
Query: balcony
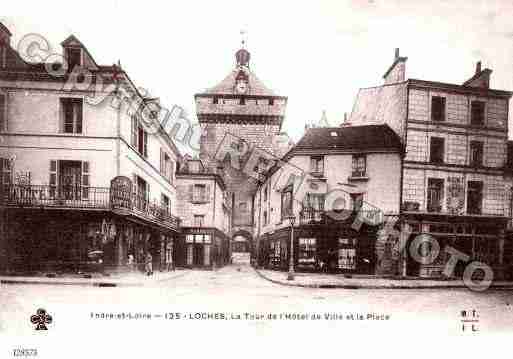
(88, 198)
(315, 216)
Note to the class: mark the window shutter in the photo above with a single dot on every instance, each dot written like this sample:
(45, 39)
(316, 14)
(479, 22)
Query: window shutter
(321, 165)
(312, 165)
(171, 171)
(78, 115)
(145, 139)
(147, 196)
(3, 117)
(53, 180)
(207, 193)
(191, 193)
(162, 170)
(85, 179)
(133, 126)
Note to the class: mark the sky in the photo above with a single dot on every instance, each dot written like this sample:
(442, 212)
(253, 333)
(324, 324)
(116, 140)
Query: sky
(318, 53)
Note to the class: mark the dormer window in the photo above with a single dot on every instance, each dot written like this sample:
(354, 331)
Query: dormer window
(73, 57)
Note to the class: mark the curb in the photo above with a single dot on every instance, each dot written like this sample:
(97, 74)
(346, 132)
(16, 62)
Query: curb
(100, 284)
(359, 286)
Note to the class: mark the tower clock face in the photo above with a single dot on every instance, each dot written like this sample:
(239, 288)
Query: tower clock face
(241, 87)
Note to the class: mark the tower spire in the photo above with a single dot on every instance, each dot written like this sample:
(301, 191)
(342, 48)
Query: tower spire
(242, 56)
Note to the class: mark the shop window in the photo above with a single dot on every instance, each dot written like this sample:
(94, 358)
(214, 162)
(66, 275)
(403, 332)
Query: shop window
(476, 153)
(359, 166)
(437, 150)
(307, 249)
(72, 113)
(438, 108)
(346, 253)
(477, 113)
(317, 165)
(199, 220)
(435, 194)
(474, 197)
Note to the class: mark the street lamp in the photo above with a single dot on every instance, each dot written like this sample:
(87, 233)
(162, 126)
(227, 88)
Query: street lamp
(292, 220)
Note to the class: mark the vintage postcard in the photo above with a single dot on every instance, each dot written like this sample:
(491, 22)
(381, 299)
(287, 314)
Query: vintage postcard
(255, 179)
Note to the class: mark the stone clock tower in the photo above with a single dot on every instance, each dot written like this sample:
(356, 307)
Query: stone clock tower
(240, 105)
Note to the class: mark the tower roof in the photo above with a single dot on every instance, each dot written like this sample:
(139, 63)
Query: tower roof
(227, 86)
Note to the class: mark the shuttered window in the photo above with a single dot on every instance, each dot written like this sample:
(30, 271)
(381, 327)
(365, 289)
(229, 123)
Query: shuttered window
(72, 110)
(6, 171)
(54, 172)
(85, 180)
(3, 113)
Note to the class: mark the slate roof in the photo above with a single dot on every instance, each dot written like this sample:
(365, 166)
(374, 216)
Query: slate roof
(351, 138)
(227, 86)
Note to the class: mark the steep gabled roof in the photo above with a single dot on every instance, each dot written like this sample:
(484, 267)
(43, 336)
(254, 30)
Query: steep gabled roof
(365, 138)
(227, 86)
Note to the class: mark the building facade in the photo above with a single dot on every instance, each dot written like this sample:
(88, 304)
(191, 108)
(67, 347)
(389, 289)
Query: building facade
(333, 189)
(205, 213)
(454, 184)
(241, 108)
(86, 177)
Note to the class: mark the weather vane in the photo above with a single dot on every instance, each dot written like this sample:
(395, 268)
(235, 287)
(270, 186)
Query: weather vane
(243, 41)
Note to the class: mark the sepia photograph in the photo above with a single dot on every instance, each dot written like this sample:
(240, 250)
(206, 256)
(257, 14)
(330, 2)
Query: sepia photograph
(250, 179)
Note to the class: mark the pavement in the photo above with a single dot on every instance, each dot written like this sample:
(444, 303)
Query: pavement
(320, 280)
(125, 279)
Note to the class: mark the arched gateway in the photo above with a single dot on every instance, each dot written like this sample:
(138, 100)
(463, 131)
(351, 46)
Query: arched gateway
(241, 247)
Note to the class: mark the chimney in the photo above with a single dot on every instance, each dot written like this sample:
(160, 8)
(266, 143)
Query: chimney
(397, 71)
(478, 67)
(481, 77)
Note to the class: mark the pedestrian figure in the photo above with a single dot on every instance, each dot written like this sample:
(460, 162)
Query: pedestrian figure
(149, 264)
(131, 262)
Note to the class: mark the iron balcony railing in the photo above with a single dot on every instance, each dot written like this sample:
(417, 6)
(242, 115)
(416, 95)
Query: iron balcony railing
(79, 197)
(317, 216)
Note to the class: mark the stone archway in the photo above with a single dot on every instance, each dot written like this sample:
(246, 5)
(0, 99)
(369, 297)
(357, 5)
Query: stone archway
(241, 247)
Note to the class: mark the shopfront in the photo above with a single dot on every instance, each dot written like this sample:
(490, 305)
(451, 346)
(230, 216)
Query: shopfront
(202, 248)
(323, 248)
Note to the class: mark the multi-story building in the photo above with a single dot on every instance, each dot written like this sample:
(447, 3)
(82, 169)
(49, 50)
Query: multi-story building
(334, 188)
(240, 106)
(453, 175)
(205, 212)
(82, 179)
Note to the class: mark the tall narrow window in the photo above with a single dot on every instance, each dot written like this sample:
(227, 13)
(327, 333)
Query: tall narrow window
(72, 115)
(317, 165)
(436, 152)
(438, 108)
(199, 193)
(74, 58)
(476, 153)
(477, 113)
(359, 166)
(199, 220)
(435, 194)
(3, 113)
(6, 171)
(286, 202)
(474, 197)
(165, 203)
